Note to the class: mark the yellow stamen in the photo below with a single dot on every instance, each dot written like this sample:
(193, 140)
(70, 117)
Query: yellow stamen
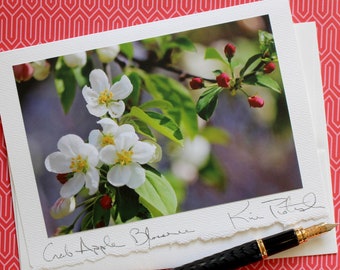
(124, 157)
(107, 140)
(105, 97)
(79, 164)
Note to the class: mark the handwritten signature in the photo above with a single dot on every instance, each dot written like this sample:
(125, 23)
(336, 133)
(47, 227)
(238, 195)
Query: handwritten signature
(245, 215)
(144, 237)
(49, 253)
(286, 205)
(277, 207)
(139, 236)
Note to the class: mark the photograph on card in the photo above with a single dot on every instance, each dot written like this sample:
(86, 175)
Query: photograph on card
(158, 126)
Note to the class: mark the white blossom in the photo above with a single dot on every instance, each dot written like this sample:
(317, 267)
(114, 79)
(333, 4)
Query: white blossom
(103, 98)
(108, 54)
(75, 60)
(111, 130)
(41, 69)
(188, 160)
(63, 207)
(75, 156)
(126, 157)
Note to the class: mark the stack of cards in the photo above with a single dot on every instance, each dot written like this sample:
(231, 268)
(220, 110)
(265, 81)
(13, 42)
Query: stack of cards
(151, 146)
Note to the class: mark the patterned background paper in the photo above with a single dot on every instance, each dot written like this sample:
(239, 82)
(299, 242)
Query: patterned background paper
(31, 22)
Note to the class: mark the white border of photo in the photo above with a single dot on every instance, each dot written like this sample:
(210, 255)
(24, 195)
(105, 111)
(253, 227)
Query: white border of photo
(172, 240)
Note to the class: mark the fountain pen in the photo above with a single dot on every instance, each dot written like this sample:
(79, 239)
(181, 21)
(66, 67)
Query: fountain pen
(258, 249)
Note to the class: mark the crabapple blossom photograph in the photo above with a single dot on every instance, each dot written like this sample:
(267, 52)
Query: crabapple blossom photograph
(158, 126)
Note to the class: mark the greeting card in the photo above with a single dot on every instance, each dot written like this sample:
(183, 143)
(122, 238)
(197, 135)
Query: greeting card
(171, 135)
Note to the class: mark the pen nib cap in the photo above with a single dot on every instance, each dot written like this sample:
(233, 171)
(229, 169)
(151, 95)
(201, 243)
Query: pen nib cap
(329, 227)
(310, 232)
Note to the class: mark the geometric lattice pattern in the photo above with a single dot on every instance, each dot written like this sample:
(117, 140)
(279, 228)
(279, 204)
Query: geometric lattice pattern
(31, 22)
(8, 246)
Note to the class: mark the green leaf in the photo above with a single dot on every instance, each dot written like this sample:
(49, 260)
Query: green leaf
(87, 222)
(182, 111)
(82, 74)
(267, 81)
(183, 43)
(266, 41)
(264, 81)
(179, 186)
(183, 107)
(150, 86)
(213, 174)
(207, 102)
(264, 37)
(65, 84)
(127, 50)
(160, 123)
(216, 135)
(212, 53)
(100, 214)
(143, 212)
(127, 203)
(156, 194)
(133, 98)
(141, 128)
(250, 61)
(81, 80)
(217, 72)
(156, 103)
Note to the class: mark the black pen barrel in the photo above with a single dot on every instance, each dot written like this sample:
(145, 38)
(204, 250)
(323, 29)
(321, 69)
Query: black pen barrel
(229, 259)
(245, 254)
(280, 242)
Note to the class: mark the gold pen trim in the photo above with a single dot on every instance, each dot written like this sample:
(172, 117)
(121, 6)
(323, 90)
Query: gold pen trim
(304, 234)
(262, 248)
(301, 235)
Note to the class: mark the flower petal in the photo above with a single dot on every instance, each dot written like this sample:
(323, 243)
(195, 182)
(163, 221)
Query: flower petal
(95, 137)
(119, 175)
(90, 96)
(108, 125)
(92, 180)
(97, 110)
(116, 108)
(99, 80)
(126, 140)
(73, 185)
(76, 59)
(122, 88)
(137, 177)
(195, 151)
(63, 207)
(157, 156)
(108, 154)
(143, 152)
(107, 54)
(89, 152)
(70, 144)
(58, 163)
(126, 128)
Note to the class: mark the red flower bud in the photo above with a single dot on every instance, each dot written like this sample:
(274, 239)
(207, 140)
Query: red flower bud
(106, 202)
(62, 177)
(100, 224)
(229, 50)
(23, 72)
(269, 67)
(223, 80)
(255, 101)
(196, 83)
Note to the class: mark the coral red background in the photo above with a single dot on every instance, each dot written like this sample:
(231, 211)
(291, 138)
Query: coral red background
(30, 22)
